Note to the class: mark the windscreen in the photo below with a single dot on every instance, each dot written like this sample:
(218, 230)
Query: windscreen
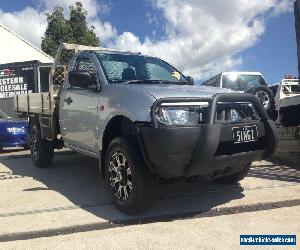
(127, 67)
(241, 82)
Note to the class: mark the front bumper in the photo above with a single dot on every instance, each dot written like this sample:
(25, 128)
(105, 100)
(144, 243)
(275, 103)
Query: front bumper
(12, 140)
(207, 149)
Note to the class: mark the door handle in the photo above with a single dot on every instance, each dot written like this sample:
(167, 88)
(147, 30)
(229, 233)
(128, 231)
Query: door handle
(68, 100)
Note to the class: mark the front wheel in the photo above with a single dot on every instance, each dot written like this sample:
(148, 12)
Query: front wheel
(42, 151)
(236, 177)
(131, 183)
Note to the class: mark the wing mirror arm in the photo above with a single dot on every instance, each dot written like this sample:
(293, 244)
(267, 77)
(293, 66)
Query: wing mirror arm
(95, 86)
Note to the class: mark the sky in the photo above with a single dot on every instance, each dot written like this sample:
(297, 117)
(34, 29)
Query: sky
(200, 37)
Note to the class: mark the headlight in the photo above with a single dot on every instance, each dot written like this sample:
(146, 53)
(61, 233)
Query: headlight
(181, 116)
(16, 130)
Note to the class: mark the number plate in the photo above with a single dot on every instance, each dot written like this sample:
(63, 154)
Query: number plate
(244, 134)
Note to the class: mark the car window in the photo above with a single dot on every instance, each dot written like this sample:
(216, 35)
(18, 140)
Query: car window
(211, 82)
(125, 67)
(86, 64)
(295, 89)
(114, 69)
(242, 82)
(157, 72)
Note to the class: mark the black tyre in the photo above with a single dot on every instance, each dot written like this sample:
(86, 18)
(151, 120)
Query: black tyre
(266, 97)
(42, 151)
(236, 177)
(26, 147)
(130, 181)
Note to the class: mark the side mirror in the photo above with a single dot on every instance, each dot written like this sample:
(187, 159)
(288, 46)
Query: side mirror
(190, 79)
(80, 78)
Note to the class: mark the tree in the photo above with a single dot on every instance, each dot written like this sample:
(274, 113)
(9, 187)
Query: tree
(74, 30)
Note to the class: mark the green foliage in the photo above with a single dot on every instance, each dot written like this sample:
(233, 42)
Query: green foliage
(74, 30)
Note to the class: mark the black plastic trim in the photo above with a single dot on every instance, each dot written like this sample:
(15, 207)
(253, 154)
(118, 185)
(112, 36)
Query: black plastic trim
(172, 151)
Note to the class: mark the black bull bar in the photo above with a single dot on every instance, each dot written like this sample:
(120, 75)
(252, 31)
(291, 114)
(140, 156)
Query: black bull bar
(174, 151)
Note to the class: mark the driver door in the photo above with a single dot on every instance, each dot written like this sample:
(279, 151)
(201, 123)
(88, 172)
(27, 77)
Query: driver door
(79, 109)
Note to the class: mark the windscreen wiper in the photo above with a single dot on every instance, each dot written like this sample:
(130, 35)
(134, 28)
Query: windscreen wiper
(143, 81)
(146, 81)
(137, 81)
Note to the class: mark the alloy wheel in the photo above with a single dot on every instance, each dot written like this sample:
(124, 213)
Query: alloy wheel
(120, 176)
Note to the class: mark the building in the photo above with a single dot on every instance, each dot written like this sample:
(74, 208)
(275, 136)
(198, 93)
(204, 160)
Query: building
(24, 68)
(15, 48)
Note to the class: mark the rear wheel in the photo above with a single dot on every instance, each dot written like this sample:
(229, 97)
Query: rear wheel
(131, 183)
(42, 151)
(236, 177)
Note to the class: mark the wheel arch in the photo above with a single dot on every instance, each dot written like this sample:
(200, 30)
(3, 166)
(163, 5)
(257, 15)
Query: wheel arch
(118, 125)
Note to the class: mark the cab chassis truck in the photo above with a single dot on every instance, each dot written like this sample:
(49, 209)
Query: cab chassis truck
(143, 119)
